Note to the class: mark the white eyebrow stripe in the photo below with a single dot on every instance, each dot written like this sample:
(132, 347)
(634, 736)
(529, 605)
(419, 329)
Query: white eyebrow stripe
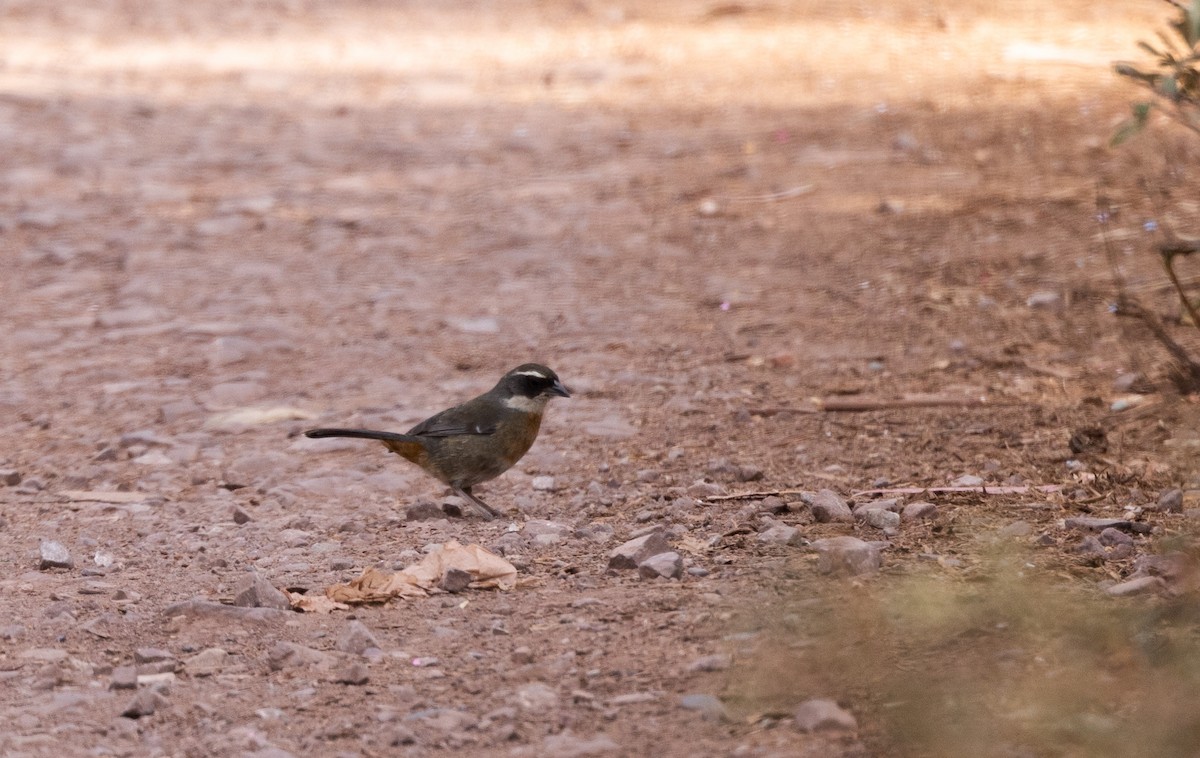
(538, 374)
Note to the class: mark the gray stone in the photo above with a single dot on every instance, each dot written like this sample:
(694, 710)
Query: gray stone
(356, 639)
(535, 527)
(1090, 547)
(543, 484)
(781, 534)
(455, 580)
(702, 489)
(709, 706)
(820, 714)
(240, 516)
(827, 506)
(968, 480)
(151, 655)
(878, 518)
(667, 565)
(567, 745)
(144, 703)
(1139, 586)
(423, 510)
(54, 555)
(199, 607)
(256, 591)
(207, 662)
(632, 553)
(1093, 524)
(285, 655)
(889, 504)
(123, 678)
(1171, 501)
(536, 696)
(1110, 537)
(919, 511)
(10, 477)
(1043, 300)
(353, 674)
(716, 662)
(848, 556)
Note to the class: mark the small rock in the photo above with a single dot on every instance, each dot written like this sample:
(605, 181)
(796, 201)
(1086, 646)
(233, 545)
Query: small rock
(717, 662)
(1043, 300)
(240, 516)
(10, 477)
(123, 678)
(1171, 501)
(54, 555)
(258, 592)
(709, 706)
(290, 655)
(847, 556)
(455, 580)
(632, 553)
(535, 527)
(967, 480)
(890, 504)
(1110, 537)
(1093, 524)
(207, 662)
(423, 510)
(700, 490)
(781, 534)
(821, 714)
(152, 655)
(827, 506)
(543, 484)
(878, 518)
(919, 511)
(1139, 586)
(356, 639)
(144, 703)
(352, 674)
(567, 745)
(536, 696)
(1090, 547)
(667, 565)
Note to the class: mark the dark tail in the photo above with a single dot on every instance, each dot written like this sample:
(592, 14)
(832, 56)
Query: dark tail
(366, 434)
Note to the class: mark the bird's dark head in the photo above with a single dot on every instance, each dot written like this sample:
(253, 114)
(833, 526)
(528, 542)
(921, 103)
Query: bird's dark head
(530, 386)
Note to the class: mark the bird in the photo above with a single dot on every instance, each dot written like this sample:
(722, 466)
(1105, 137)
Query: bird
(478, 440)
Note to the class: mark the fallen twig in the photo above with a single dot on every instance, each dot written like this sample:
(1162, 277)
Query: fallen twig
(854, 404)
(1021, 489)
(749, 495)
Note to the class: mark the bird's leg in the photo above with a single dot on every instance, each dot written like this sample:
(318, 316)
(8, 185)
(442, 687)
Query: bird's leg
(486, 510)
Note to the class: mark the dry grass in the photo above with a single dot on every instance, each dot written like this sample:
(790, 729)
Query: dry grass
(1012, 664)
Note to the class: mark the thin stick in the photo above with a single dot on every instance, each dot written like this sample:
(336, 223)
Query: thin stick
(857, 404)
(750, 495)
(980, 490)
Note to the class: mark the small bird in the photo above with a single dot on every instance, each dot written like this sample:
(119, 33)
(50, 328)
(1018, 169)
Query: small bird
(478, 440)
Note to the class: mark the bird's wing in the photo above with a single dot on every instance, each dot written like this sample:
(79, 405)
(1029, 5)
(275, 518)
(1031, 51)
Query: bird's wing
(468, 418)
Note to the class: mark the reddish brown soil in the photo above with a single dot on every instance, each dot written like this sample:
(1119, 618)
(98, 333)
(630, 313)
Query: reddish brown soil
(702, 215)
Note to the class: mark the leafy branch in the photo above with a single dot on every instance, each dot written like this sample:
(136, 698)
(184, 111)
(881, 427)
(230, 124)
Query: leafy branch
(1173, 79)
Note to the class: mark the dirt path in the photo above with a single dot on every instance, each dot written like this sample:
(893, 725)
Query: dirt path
(701, 215)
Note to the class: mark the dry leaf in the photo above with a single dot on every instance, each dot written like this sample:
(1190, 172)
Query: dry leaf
(487, 571)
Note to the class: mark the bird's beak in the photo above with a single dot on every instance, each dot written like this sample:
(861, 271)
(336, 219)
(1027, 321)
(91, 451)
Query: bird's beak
(559, 389)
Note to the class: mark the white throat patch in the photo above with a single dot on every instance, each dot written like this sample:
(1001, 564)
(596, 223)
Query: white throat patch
(527, 404)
